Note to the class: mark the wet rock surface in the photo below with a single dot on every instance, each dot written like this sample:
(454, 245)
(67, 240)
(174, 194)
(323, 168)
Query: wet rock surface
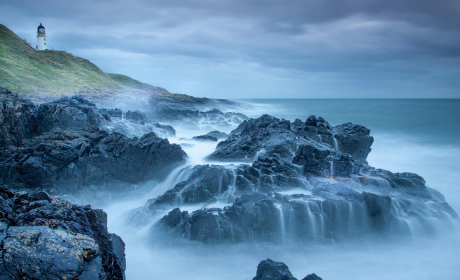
(75, 159)
(18, 119)
(272, 270)
(265, 134)
(319, 195)
(46, 238)
(272, 135)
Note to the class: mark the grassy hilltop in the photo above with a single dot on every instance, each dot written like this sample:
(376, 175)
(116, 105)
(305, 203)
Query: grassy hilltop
(24, 69)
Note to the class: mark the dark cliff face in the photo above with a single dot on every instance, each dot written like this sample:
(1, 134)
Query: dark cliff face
(18, 119)
(58, 239)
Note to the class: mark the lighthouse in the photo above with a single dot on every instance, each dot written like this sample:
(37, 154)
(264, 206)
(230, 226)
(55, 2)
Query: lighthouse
(41, 38)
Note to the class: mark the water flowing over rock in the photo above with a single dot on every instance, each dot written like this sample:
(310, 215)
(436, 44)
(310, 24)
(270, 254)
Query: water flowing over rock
(324, 195)
(75, 159)
(135, 123)
(191, 118)
(45, 237)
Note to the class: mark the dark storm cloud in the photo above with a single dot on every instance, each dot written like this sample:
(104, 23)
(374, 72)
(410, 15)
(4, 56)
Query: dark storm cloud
(343, 41)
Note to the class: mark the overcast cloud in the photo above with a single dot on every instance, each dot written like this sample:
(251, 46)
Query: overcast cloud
(260, 49)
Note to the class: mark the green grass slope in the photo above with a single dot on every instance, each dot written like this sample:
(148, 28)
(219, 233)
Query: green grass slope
(24, 69)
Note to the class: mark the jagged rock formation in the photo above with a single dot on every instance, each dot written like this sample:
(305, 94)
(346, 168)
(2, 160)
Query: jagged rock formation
(217, 134)
(271, 270)
(75, 159)
(46, 238)
(272, 135)
(191, 118)
(266, 133)
(69, 114)
(135, 123)
(321, 194)
(57, 145)
(205, 138)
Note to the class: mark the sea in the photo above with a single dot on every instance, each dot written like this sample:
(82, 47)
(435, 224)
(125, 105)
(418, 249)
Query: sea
(410, 135)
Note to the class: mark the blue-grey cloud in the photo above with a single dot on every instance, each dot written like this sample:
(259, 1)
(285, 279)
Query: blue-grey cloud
(302, 48)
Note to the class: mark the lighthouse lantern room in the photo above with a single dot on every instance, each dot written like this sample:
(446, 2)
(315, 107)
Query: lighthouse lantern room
(41, 38)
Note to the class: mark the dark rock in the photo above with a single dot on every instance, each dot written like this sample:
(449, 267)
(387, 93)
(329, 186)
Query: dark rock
(271, 270)
(217, 134)
(69, 113)
(354, 139)
(319, 160)
(205, 138)
(136, 116)
(312, 277)
(112, 113)
(18, 119)
(75, 159)
(58, 239)
(265, 133)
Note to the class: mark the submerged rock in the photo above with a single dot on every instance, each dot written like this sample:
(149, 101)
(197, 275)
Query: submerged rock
(46, 237)
(71, 160)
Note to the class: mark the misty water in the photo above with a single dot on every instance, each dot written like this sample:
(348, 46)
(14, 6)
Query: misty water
(420, 136)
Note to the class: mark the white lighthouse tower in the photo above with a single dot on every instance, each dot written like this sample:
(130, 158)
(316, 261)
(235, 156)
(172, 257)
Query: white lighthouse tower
(41, 38)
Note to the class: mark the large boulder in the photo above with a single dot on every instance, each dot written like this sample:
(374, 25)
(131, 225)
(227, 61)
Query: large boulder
(353, 139)
(46, 237)
(271, 270)
(70, 113)
(18, 119)
(75, 159)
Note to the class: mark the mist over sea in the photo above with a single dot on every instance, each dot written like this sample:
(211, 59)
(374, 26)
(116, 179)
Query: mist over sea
(419, 136)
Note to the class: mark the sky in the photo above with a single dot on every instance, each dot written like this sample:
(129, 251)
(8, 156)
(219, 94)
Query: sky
(260, 49)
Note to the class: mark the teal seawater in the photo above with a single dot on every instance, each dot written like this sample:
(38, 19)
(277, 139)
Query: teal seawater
(411, 135)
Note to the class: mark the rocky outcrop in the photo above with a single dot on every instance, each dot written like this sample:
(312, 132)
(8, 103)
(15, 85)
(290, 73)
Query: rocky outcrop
(217, 134)
(204, 138)
(279, 202)
(272, 270)
(18, 119)
(192, 117)
(45, 237)
(70, 160)
(318, 160)
(69, 113)
(267, 134)
(312, 277)
(353, 139)
(271, 135)
(135, 123)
